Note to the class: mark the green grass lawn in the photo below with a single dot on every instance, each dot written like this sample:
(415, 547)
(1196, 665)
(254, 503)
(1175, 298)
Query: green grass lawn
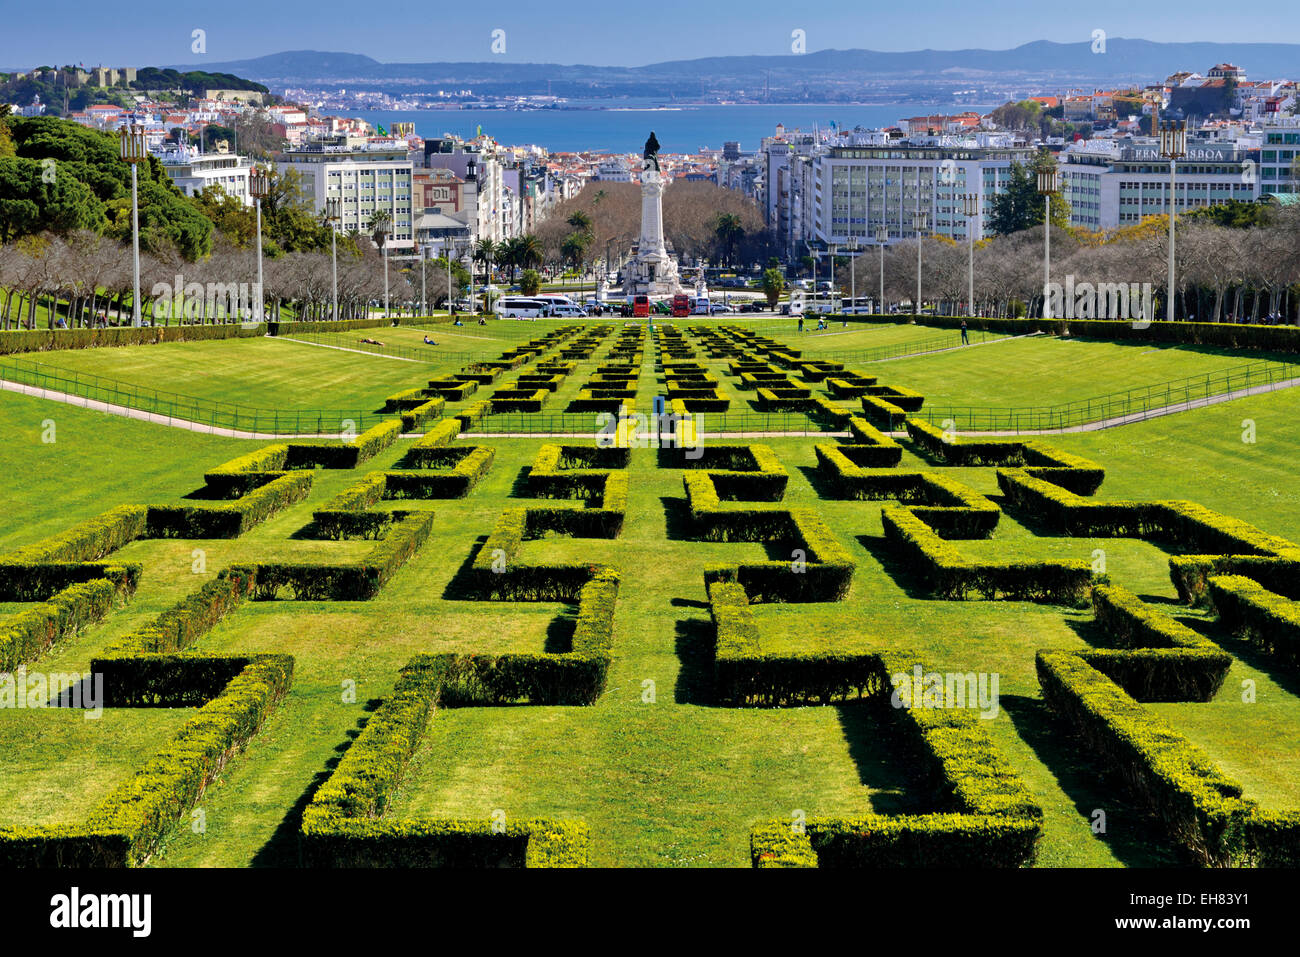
(261, 373)
(673, 781)
(1043, 370)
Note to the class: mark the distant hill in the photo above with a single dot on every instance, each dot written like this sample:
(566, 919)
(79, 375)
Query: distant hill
(1123, 58)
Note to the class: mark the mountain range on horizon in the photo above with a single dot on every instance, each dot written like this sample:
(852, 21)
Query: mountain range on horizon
(1121, 58)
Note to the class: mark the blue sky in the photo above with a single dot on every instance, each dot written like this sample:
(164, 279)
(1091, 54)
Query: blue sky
(146, 32)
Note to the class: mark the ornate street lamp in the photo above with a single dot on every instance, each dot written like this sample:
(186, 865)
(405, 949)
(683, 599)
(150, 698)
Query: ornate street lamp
(919, 220)
(332, 216)
(1173, 146)
(853, 248)
(882, 239)
(970, 203)
(259, 187)
(135, 152)
(1048, 183)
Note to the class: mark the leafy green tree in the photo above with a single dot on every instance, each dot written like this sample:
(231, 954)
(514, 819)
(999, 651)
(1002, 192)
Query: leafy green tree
(530, 283)
(31, 201)
(1234, 214)
(729, 232)
(1021, 206)
(773, 285)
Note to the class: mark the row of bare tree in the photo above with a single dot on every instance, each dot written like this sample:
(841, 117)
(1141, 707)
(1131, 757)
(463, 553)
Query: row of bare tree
(84, 279)
(1221, 273)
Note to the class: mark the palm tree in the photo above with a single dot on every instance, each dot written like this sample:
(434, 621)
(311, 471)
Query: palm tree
(487, 253)
(729, 231)
(530, 251)
(380, 225)
(580, 221)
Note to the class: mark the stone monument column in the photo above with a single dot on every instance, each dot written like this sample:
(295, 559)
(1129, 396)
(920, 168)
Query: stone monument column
(652, 214)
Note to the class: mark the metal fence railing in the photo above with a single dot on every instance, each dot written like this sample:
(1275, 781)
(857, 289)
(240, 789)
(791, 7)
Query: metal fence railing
(1135, 403)
(172, 406)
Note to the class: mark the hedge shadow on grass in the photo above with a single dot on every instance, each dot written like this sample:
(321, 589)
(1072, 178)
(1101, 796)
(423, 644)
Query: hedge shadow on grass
(462, 586)
(1088, 785)
(677, 519)
(912, 584)
(281, 848)
(694, 644)
(1247, 654)
(823, 488)
(877, 751)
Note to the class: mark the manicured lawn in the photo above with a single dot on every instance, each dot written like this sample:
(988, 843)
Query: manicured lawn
(664, 778)
(1043, 370)
(258, 373)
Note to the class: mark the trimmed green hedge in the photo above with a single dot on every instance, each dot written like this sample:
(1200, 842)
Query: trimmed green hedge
(150, 802)
(344, 824)
(883, 413)
(353, 582)
(49, 340)
(89, 540)
(953, 576)
(1254, 613)
(1155, 657)
(1202, 809)
(31, 632)
(228, 519)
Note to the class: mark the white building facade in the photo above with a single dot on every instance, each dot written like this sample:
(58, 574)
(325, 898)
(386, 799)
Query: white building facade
(366, 177)
(1111, 184)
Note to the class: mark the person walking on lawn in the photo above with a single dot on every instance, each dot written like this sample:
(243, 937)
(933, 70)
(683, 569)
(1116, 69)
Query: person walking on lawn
(965, 339)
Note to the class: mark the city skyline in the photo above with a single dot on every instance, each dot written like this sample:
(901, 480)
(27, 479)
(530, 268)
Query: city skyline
(588, 34)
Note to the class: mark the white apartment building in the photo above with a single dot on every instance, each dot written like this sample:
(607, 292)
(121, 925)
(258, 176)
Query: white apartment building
(1114, 183)
(857, 189)
(366, 176)
(485, 210)
(1278, 157)
(192, 172)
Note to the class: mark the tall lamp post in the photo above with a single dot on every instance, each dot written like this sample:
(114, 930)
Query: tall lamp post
(1047, 185)
(853, 248)
(133, 151)
(882, 239)
(424, 287)
(1173, 146)
(919, 219)
(970, 203)
(259, 187)
(830, 295)
(332, 215)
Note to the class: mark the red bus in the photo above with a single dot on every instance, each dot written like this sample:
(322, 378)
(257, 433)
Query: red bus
(681, 305)
(641, 306)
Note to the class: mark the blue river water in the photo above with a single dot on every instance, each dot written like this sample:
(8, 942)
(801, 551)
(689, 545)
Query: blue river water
(679, 129)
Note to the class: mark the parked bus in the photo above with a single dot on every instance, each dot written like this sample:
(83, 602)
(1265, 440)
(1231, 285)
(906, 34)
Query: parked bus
(641, 306)
(681, 305)
(515, 307)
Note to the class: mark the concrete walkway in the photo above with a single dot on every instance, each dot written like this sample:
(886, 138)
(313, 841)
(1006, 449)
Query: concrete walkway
(142, 416)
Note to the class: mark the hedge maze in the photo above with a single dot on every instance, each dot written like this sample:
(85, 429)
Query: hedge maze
(776, 521)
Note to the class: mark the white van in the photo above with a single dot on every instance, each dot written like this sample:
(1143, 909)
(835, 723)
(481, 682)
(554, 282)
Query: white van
(516, 307)
(567, 310)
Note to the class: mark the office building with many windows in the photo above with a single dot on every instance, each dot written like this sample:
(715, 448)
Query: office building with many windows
(856, 189)
(1114, 183)
(367, 176)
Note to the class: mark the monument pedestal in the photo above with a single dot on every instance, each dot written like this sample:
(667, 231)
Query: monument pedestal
(652, 270)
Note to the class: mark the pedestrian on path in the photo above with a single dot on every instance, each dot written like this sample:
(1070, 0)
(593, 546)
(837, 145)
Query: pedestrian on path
(965, 339)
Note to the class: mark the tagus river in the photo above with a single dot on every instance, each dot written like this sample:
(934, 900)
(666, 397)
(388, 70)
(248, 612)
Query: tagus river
(602, 126)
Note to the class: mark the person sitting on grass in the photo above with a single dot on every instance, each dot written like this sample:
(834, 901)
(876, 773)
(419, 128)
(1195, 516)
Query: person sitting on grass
(430, 342)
